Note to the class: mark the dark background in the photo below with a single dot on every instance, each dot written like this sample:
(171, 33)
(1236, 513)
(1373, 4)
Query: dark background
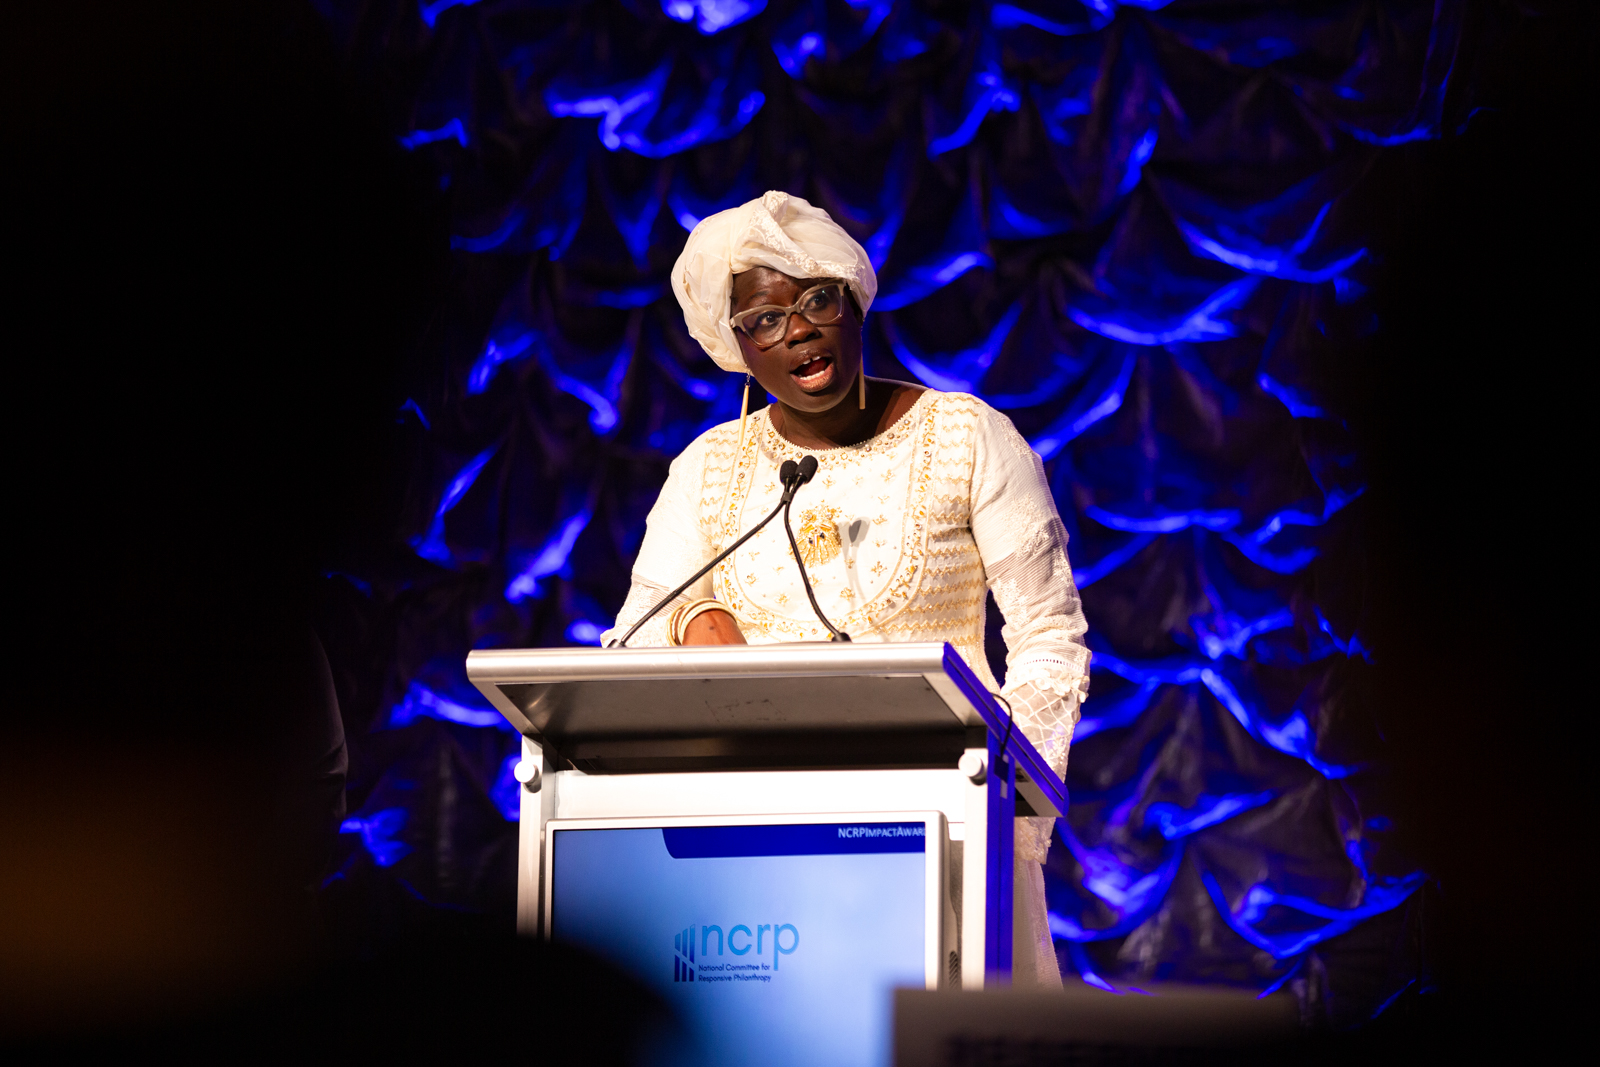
(227, 278)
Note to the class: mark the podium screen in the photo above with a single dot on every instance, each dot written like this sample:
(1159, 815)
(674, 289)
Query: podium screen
(775, 942)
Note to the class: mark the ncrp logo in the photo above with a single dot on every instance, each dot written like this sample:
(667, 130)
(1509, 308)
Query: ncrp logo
(683, 956)
(692, 945)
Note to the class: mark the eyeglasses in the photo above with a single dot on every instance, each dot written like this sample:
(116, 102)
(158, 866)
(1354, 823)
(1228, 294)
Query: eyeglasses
(821, 305)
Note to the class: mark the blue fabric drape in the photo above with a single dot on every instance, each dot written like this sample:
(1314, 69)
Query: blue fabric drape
(1142, 229)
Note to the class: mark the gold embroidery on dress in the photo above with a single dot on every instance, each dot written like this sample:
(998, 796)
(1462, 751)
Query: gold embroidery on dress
(850, 455)
(818, 536)
(937, 425)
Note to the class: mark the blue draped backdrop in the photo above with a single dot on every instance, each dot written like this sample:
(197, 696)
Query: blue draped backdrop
(1143, 230)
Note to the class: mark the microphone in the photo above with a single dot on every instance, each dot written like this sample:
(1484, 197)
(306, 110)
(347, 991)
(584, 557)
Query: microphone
(791, 478)
(803, 473)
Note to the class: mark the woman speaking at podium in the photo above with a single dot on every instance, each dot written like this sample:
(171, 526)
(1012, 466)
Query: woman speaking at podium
(923, 501)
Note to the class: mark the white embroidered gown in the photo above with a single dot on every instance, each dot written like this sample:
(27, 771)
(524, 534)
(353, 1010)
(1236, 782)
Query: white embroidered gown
(902, 535)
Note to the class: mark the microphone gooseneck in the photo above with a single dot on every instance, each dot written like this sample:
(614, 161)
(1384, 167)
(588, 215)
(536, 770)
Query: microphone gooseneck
(804, 472)
(789, 476)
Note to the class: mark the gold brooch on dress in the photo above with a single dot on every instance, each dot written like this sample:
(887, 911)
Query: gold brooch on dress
(818, 535)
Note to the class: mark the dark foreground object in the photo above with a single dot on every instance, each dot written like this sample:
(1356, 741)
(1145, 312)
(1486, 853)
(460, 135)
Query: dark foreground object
(453, 992)
(1181, 1026)
(1193, 1026)
(1023, 1028)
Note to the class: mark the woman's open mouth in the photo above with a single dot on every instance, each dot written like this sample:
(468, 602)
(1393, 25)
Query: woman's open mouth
(814, 373)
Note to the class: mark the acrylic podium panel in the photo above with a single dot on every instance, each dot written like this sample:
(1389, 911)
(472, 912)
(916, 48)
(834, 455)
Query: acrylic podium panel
(756, 930)
(772, 735)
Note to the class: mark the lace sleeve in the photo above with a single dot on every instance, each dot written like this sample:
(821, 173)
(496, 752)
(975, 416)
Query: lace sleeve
(1023, 545)
(675, 546)
(642, 595)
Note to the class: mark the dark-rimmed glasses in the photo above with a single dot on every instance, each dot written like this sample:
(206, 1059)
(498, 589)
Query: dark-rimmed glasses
(821, 305)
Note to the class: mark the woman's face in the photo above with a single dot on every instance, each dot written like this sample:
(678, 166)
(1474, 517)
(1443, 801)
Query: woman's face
(813, 368)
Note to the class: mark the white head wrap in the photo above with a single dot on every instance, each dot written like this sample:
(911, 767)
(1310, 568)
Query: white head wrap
(778, 231)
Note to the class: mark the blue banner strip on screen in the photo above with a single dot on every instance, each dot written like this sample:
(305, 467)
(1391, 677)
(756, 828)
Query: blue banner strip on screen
(792, 839)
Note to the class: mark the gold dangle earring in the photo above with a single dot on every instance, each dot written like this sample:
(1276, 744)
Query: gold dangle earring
(861, 384)
(744, 410)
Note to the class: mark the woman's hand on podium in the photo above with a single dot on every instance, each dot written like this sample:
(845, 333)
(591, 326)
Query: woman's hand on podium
(712, 628)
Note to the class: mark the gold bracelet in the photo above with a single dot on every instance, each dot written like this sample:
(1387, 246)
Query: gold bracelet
(687, 613)
(672, 623)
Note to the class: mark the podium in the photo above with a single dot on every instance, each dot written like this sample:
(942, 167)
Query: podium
(795, 772)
